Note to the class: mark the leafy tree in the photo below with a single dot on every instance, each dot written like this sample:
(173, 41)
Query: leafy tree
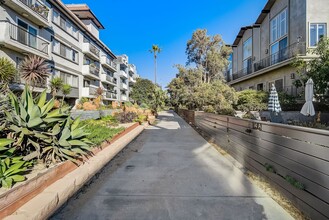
(251, 100)
(316, 68)
(209, 54)
(142, 91)
(158, 100)
(155, 50)
(188, 90)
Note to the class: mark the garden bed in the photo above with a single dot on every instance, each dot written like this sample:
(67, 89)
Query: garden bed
(40, 179)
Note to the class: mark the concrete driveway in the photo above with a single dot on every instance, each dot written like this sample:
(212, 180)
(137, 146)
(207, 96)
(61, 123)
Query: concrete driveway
(171, 172)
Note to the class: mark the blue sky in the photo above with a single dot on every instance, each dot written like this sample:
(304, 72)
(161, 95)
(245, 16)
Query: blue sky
(131, 27)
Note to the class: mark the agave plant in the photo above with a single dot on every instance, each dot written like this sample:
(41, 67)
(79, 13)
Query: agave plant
(40, 131)
(34, 69)
(12, 170)
(7, 72)
(56, 84)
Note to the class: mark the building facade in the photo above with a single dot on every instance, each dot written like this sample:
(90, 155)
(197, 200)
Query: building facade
(263, 52)
(67, 36)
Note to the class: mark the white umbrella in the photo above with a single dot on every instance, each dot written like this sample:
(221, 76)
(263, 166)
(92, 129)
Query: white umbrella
(308, 108)
(273, 102)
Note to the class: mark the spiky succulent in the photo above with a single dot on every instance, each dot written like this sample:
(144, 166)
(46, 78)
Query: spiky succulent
(7, 71)
(34, 69)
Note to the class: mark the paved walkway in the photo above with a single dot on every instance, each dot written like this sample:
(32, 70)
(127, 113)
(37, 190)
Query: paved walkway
(171, 172)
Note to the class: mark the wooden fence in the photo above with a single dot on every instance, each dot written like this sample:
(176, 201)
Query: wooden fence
(294, 159)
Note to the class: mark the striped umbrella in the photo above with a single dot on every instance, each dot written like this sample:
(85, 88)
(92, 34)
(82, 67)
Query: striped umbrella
(273, 102)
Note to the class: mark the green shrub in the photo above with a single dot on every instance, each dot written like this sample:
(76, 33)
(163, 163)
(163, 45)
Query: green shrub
(126, 117)
(141, 118)
(43, 132)
(144, 106)
(98, 131)
(251, 100)
(209, 109)
(128, 104)
(83, 100)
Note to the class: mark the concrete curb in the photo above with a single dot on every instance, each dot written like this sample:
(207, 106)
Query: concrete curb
(53, 197)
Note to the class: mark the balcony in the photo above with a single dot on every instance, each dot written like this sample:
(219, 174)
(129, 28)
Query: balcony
(89, 91)
(91, 50)
(105, 61)
(110, 95)
(18, 84)
(108, 79)
(20, 40)
(34, 10)
(74, 93)
(91, 71)
(132, 69)
(132, 80)
(123, 74)
(123, 86)
(283, 57)
(124, 98)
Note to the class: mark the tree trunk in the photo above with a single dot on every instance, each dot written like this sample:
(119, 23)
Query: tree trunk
(155, 70)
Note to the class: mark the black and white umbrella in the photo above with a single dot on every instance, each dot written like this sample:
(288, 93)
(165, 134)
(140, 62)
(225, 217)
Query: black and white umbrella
(273, 102)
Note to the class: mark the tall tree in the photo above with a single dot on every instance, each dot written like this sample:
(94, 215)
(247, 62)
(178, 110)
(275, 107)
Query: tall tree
(142, 91)
(155, 50)
(317, 69)
(210, 54)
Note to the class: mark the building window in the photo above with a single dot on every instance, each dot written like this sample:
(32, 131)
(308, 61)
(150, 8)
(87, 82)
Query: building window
(279, 26)
(279, 51)
(247, 56)
(317, 31)
(260, 87)
(70, 79)
(278, 85)
(65, 51)
(65, 25)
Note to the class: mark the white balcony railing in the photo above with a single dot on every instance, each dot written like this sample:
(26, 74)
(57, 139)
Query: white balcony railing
(123, 74)
(108, 63)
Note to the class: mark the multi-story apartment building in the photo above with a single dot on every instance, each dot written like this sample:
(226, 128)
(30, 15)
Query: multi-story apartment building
(127, 75)
(68, 37)
(264, 51)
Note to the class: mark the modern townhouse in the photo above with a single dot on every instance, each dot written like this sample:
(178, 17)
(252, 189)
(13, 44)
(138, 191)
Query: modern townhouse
(264, 51)
(68, 37)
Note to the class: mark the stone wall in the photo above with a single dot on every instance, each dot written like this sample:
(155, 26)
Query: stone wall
(84, 115)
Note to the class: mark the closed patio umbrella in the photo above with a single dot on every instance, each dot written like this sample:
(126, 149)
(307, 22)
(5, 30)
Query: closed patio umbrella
(273, 102)
(308, 108)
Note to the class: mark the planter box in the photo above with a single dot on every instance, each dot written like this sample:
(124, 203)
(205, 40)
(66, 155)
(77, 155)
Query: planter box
(16, 197)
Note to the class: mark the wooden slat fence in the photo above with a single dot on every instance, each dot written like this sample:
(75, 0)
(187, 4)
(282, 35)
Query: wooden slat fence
(277, 152)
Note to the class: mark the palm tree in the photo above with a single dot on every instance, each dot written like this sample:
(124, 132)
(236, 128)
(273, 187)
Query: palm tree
(7, 72)
(55, 84)
(34, 70)
(66, 89)
(155, 50)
